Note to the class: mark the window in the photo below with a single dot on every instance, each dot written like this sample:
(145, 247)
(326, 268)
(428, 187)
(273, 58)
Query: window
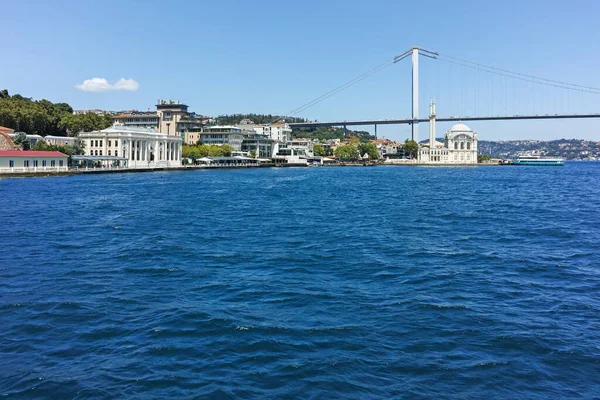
(35, 163)
(455, 145)
(109, 152)
(100, 152)
(96, 143)
(26, 163)
(101, 143)
(116, 153)
(11, 163)
(60, 163)
(109, 144)
(43, 163)
(462, 145)
(53, 163)
(468, 145)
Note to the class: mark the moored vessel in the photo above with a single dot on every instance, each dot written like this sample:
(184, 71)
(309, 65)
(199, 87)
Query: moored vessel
(534, 159)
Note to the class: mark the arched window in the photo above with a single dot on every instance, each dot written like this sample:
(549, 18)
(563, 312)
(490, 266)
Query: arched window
(455, 145)
(109, 152)
(468, 145)
(116, 153)
(462, 145)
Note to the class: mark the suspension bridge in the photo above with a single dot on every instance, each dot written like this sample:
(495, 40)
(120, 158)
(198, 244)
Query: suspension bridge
(415, 119)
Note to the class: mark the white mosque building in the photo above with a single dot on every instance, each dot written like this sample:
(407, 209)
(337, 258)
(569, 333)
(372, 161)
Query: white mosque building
(459, 147)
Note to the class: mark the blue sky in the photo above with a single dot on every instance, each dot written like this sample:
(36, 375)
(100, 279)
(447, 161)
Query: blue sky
(225, 57)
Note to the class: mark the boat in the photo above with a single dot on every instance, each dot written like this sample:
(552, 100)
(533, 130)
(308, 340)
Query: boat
(534, 159)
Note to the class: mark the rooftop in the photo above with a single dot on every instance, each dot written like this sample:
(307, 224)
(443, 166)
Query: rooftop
(30, 153)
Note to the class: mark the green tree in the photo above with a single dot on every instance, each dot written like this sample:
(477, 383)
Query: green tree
(347, 153)
(78, 147)
(370, 149)
(481, 158)
(319, 150)
(226, 150)
(411, 148)
(40, 145)
(20, 139)
(88, 122)
(252, 154)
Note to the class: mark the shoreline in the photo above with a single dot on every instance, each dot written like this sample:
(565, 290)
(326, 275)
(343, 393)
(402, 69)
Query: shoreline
(134, 170)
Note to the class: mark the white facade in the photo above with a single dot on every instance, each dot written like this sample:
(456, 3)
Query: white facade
(220, 135)
(59, 140)
(143, 148)
(459, 147)
(461, 142)
(18, 161)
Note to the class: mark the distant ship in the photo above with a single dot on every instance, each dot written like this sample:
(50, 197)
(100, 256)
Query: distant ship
(534, 159)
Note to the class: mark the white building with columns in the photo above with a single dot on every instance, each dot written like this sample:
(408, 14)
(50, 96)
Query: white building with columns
(459, 147)
(142, 147)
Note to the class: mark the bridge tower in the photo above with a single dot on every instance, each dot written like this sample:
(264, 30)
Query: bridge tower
(414, 52)
(415, 94)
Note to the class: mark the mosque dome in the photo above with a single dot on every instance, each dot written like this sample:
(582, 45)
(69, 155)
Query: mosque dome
(460, 127)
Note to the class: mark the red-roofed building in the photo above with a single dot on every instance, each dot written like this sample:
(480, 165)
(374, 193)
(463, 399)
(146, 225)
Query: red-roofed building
(32, 161)
(6, 142)
(6, 130)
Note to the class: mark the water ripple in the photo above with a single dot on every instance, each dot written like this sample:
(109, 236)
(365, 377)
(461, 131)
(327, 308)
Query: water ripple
(302, 283)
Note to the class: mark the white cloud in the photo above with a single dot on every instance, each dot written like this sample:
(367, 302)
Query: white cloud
(102, 85)
(127, 84)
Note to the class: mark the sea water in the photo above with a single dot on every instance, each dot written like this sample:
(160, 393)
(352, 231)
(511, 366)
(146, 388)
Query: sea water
(382, 282)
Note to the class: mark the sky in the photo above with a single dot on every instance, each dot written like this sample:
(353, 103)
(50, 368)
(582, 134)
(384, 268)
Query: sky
(225, 57)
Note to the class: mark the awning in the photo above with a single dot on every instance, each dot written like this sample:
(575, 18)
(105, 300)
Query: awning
(97, 158)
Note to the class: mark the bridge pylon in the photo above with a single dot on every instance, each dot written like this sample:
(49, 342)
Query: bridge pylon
(414, 52)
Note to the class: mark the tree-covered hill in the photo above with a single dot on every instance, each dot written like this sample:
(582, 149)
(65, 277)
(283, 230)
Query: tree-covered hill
(42, 117)
(234, 119)
(326, 133)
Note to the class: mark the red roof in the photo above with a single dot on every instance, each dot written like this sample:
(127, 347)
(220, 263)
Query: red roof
(30, 153)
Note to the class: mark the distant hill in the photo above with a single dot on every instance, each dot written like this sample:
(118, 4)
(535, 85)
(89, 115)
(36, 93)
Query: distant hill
(233, 119)
(570, 149)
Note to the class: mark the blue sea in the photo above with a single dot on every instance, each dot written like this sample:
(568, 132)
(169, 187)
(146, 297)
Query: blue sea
(312, 283)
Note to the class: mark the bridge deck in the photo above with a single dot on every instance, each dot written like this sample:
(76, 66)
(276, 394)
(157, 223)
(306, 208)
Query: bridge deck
(447, 119)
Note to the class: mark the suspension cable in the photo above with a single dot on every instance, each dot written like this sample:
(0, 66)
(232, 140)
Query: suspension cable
(517, 75)
(338, 89)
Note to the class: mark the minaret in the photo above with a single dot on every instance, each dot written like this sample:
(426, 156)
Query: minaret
(431, 125)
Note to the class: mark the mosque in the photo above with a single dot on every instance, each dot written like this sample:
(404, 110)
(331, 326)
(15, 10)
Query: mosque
(459, 147)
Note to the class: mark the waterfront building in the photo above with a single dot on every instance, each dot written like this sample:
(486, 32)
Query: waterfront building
(301, 146)
(220, 135)
(171, 117)
(32, 138)
(192, 137)
(170, 113)
(92, 111)
(59, 140)
(6, 142)
(5, 130)
(141, 147)
(459, 147)
(291, 156)
(136, 119)
(32, 161)
(262, 145)
(386, 147)
(280, 132)
(233, 161)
